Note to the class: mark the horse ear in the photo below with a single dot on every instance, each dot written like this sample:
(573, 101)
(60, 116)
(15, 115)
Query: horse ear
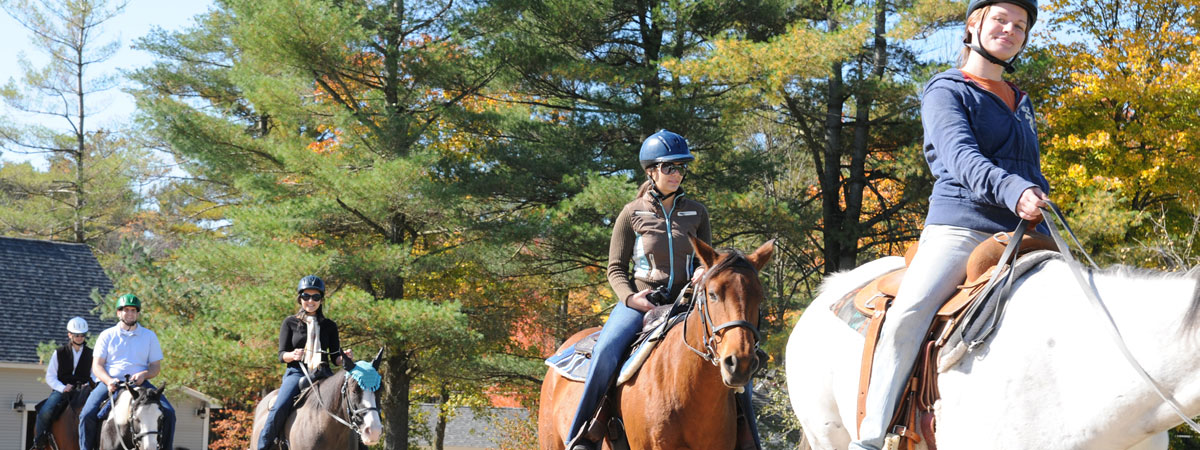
(162, 387)
(763, 254)
(347, 363)
(378, 358)
(707, 255)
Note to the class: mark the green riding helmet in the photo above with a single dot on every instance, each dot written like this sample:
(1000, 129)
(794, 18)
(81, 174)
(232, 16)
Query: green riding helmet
(129, 300)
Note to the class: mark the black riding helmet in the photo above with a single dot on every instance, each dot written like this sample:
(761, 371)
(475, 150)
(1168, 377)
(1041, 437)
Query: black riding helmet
(310, 282)
(1030, 7)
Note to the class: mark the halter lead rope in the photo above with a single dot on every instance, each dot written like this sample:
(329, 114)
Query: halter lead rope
(1102, 310)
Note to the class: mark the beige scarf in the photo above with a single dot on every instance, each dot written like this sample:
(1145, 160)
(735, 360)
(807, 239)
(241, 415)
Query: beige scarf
(312, 345)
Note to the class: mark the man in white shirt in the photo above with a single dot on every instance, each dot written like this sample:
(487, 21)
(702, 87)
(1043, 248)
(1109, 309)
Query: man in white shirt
(69, 370)
(125, 349)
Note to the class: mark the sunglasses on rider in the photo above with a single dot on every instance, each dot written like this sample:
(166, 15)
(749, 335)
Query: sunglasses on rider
(668, 169)
(314, 297)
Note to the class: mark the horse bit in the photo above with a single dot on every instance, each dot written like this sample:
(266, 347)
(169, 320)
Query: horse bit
(701, 297)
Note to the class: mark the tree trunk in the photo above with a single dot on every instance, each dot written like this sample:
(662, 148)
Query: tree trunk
(440, 430)
(857, 182)
(399, 382)
(831, 173)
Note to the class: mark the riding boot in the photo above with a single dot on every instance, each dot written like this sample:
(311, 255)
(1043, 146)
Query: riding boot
(581, 443)
(42, 441)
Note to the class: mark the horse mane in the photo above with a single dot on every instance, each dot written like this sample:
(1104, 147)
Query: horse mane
(732, 258)
(1189, 324)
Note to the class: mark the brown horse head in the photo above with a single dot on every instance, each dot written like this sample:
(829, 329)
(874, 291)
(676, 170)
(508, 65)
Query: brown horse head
(728, 298)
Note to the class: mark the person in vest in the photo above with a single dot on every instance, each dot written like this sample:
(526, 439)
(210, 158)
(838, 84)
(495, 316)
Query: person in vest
(308, 342)
(125, 349)
(981, 145)
(69, 370)
(651, 234)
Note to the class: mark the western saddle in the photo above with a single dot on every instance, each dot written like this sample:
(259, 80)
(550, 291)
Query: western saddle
(915, 408)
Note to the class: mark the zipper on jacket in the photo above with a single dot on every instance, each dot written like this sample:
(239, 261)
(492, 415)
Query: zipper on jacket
(670, 238)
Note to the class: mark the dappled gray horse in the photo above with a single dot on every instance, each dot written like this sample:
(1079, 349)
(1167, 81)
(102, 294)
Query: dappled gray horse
(330, 414)
(133, 421)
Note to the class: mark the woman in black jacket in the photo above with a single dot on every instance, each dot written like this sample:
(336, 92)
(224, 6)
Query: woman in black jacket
(307, 339)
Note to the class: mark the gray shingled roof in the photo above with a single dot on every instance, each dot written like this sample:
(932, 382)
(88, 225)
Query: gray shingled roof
(46, 284)
(468, 430)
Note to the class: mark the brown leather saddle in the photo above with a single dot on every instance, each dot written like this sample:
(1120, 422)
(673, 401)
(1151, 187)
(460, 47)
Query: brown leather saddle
(916, 405)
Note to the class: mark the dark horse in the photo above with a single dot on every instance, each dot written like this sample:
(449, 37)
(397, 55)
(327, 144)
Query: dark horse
(683, 395)
(64, 430)
(341, 409)
(133, 420)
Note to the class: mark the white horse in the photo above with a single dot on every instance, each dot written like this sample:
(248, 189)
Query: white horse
(1049, 377)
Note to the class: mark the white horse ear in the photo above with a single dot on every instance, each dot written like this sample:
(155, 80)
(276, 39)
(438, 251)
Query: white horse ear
(707, 255)
(763, 254)
(378, 358)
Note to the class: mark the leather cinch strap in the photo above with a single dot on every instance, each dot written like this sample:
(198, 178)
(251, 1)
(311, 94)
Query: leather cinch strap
(868, 356)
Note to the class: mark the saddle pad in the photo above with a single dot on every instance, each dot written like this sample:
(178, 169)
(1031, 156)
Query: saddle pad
(571, 364)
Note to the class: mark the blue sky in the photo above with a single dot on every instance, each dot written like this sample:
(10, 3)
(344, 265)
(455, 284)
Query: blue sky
(113, 108)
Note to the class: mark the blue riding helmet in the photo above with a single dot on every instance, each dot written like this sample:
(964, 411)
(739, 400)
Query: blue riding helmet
(664, 146)
(310, 282)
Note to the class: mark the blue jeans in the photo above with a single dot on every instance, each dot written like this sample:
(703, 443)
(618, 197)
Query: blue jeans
(744, 402)
(97, 403)
(932, 277)
(44, 415)
(288, 388)
(618, 332)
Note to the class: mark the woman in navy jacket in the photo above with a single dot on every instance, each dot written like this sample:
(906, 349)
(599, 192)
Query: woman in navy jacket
(982, 148)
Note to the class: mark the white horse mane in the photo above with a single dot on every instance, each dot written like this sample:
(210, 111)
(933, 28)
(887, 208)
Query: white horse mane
(120, 410)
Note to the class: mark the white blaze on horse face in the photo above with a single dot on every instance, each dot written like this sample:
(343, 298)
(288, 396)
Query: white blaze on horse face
(372, 426)
(148, 416)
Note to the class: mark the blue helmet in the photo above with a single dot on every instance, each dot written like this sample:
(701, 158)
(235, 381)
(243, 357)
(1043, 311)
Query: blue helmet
(664, 146)
(310, 282)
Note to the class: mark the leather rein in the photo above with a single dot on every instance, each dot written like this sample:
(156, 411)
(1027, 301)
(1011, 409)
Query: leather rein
(700, 302)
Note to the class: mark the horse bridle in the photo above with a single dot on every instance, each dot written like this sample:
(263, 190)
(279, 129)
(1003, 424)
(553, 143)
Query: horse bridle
(700, 301)
(138, 436)
(354, 415)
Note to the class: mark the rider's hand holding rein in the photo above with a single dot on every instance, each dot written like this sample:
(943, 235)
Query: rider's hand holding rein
(1029, 207)
(639, 302)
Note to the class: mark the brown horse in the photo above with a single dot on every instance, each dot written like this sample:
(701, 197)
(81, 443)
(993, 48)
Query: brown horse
(683, 396)
(64, 431)
(341, 410)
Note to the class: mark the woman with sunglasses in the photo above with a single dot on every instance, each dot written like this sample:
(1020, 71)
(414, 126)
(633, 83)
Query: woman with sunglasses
(308, 342)
(651, 233)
